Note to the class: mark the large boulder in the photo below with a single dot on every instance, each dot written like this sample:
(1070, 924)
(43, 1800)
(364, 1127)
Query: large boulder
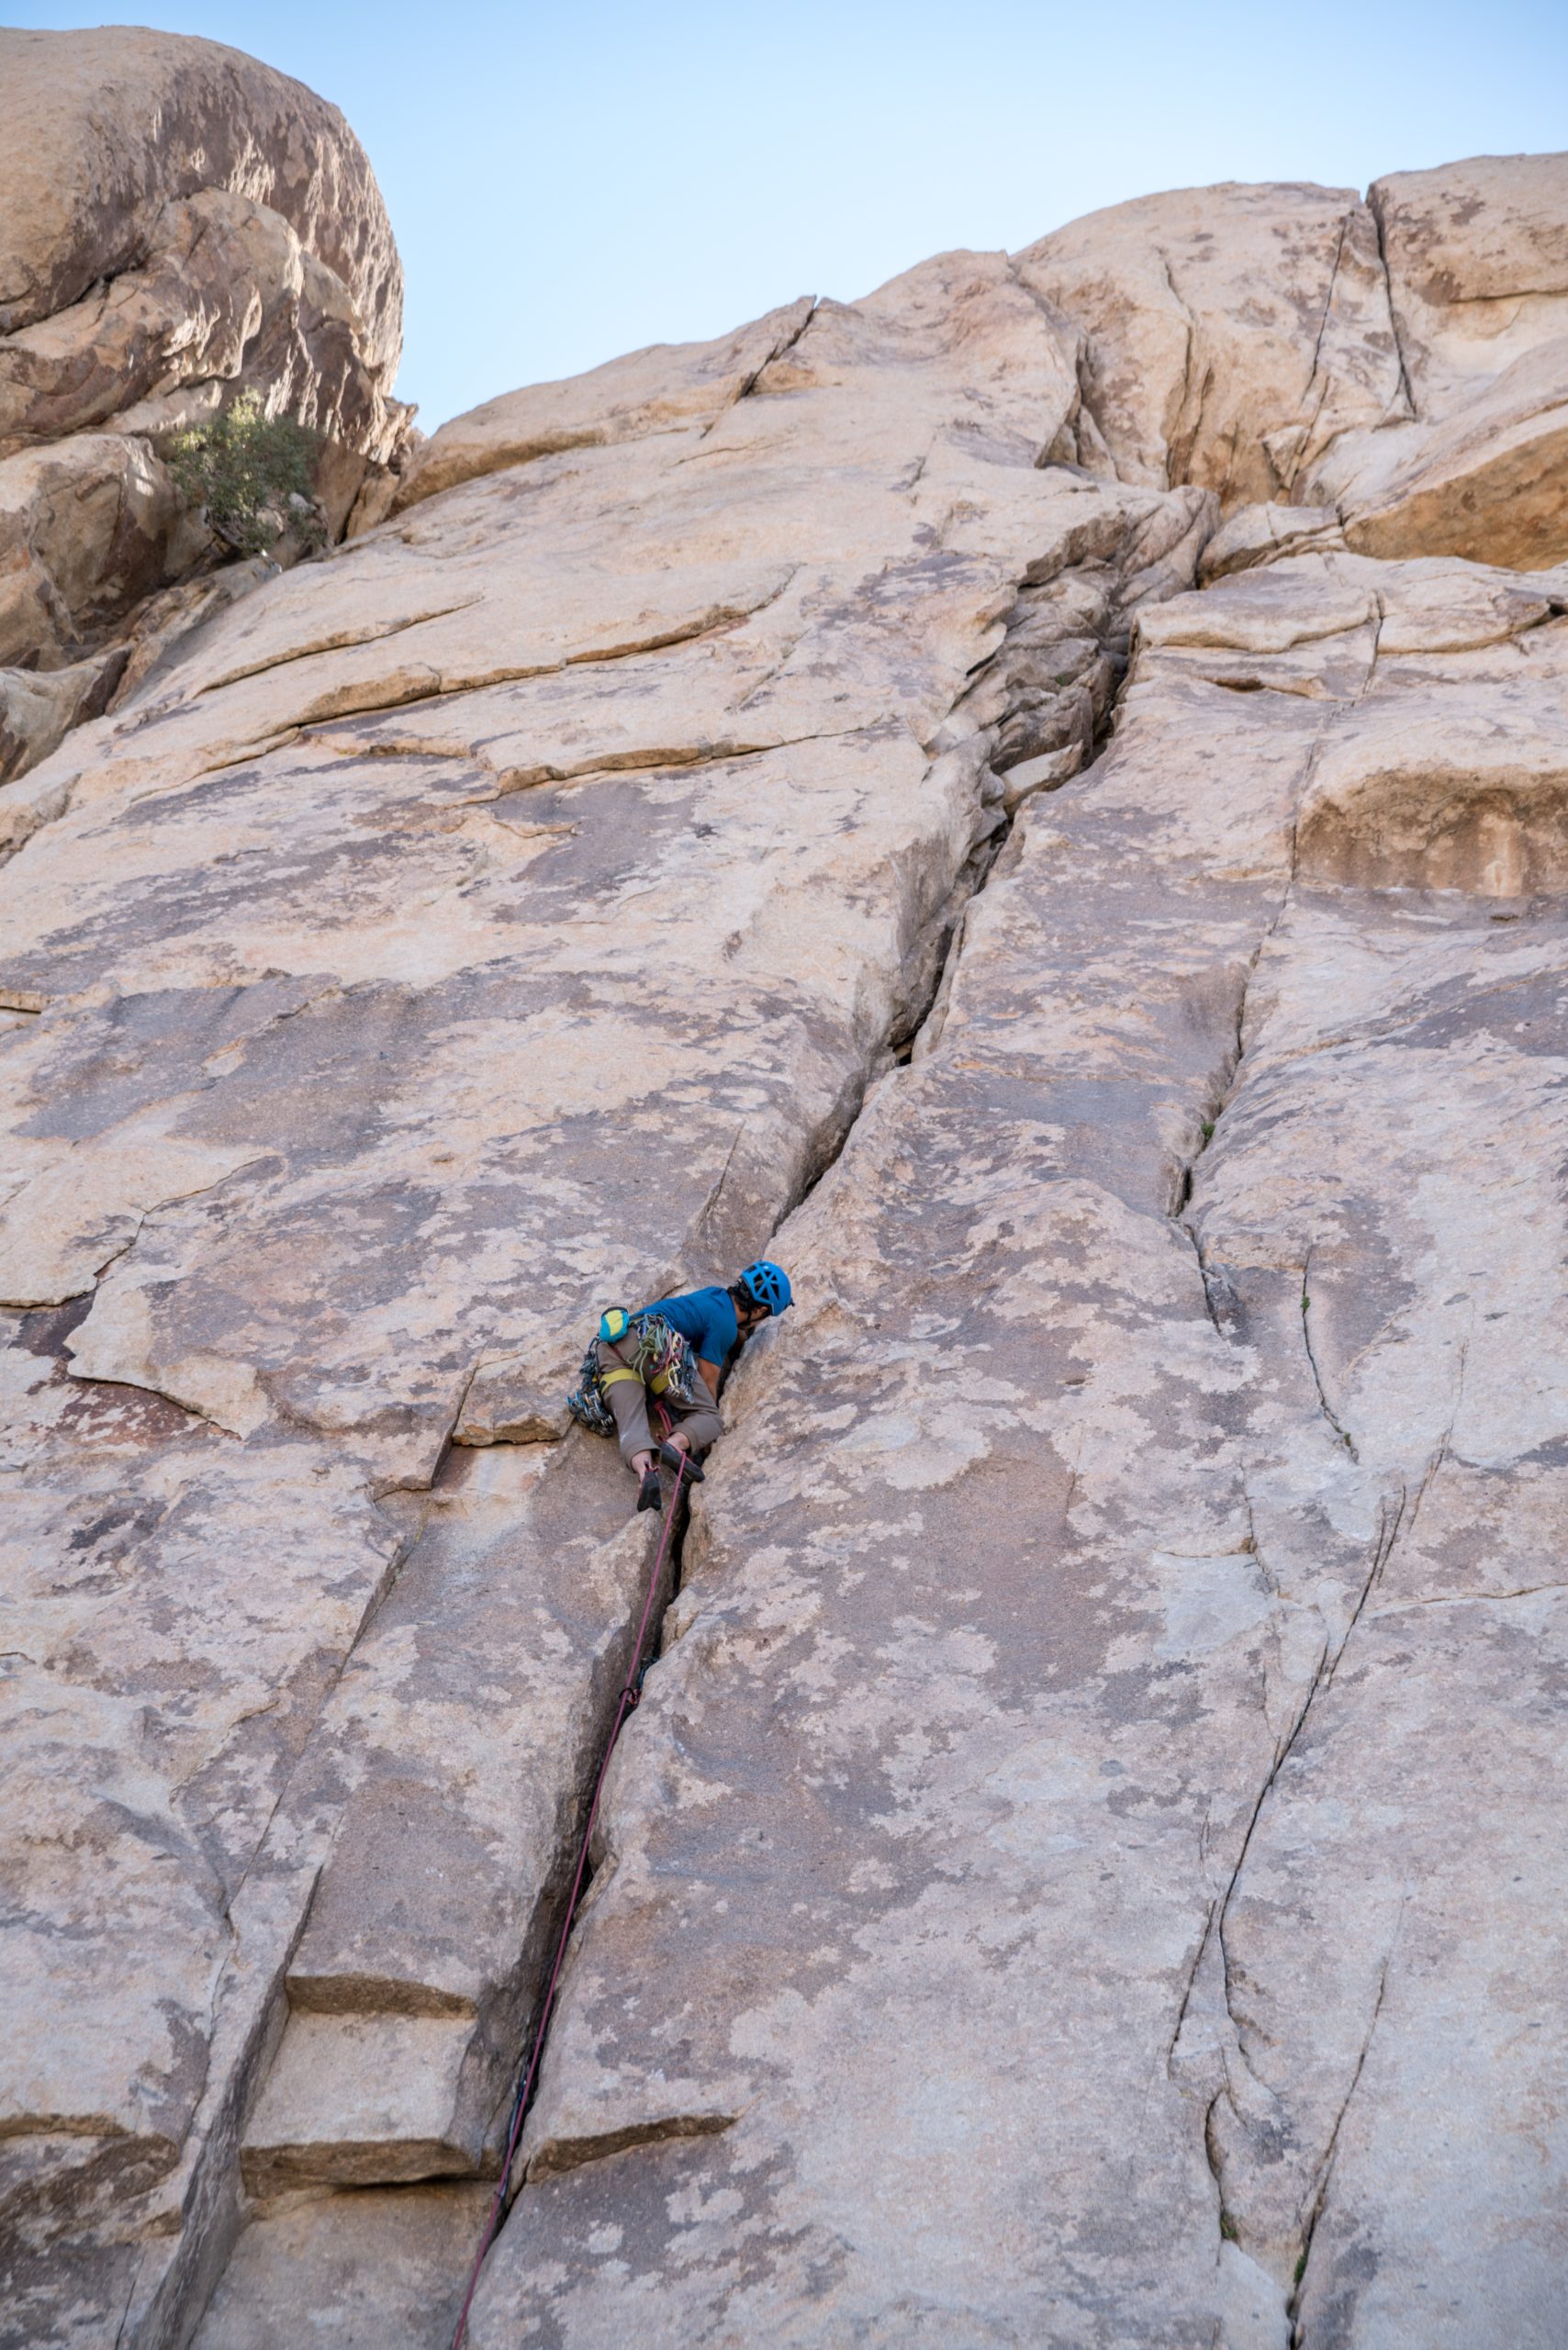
(1230, 332)
(147, 276)
(1402, 360)
(86, 184)
(1477, 262)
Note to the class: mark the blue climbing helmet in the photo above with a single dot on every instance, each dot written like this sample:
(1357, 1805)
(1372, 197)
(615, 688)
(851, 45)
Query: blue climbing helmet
(767, 1285)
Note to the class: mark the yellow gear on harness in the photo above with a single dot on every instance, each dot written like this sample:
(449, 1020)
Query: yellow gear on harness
(659, 1382)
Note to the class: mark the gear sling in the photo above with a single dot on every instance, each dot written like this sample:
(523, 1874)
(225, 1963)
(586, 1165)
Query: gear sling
(633, 1356)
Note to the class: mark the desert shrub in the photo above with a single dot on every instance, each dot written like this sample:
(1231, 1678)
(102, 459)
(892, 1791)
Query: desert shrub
(254, 475)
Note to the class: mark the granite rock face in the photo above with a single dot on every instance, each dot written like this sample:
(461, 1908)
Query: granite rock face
(1047, 1876)
(508, 911)
(177, 223)
(1401, 359)
(944, 788)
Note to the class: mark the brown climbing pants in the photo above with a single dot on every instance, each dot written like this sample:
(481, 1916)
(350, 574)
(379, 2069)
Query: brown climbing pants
(628, 1399)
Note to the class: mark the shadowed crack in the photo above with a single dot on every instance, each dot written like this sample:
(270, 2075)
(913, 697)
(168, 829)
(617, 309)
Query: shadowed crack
(749, 384)
(338, 640)
(1374, 207)
(1287, 478)
(569, 2154)
(1178, 460)
(1216, 1291)
(909, 1022)
(1324, 1405)
(1326, 2169)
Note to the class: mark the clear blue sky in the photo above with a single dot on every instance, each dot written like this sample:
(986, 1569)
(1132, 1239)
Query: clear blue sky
(571, 182)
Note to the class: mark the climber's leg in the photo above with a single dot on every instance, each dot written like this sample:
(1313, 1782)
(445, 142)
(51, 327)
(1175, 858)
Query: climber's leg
(628, 1400)
(696, 1426)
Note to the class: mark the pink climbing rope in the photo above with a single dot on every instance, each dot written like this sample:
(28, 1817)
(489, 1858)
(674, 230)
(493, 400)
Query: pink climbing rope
(519, 2104)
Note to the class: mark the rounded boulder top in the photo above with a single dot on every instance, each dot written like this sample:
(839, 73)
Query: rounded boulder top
(82, 180)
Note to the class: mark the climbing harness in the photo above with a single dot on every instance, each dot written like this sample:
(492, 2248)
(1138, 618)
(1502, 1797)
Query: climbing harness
(629, 1695)
(663, 1363)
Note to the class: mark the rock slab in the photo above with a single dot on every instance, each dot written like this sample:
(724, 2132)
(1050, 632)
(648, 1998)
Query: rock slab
(1039, 797)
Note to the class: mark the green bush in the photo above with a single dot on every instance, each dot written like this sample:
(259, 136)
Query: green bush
(255, 474)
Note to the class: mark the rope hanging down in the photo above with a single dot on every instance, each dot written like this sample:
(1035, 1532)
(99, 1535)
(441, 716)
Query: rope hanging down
(629, 1696)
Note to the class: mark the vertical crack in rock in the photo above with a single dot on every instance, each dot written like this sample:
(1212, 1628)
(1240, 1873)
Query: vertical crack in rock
(897, 1048)
(1241, 2088)
(1184, 443)
(1395, 1521)
(1397, 1515)
(1053, 706)
(1330, 1653)
(1250, 2089)
(1298, 2339)
(1340, 1430)
(557, 1912)
(1407, 388)
(765, 360)
(1218, 1296)
(1327, 311)
(1016, 694)
(618, 2076)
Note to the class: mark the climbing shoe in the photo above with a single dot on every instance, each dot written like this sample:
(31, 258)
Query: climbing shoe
(675, 1458)
(650, 1495)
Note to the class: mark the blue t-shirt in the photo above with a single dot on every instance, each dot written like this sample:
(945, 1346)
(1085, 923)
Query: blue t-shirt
(705, 1318)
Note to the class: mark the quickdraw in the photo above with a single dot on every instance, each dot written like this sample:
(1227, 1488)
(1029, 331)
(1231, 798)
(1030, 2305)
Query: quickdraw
(586, 1402)
(663, 1363)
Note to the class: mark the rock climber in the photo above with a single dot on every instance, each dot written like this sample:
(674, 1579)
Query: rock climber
(712, 1322)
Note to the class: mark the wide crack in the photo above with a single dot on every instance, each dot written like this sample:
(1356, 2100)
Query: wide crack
(1028, 665)
(907, 1022)
(577, 1864)
(1053, 712)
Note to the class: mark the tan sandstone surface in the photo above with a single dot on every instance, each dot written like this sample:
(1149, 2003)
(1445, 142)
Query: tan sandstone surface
(1048, 1803)
(1086, 1865)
